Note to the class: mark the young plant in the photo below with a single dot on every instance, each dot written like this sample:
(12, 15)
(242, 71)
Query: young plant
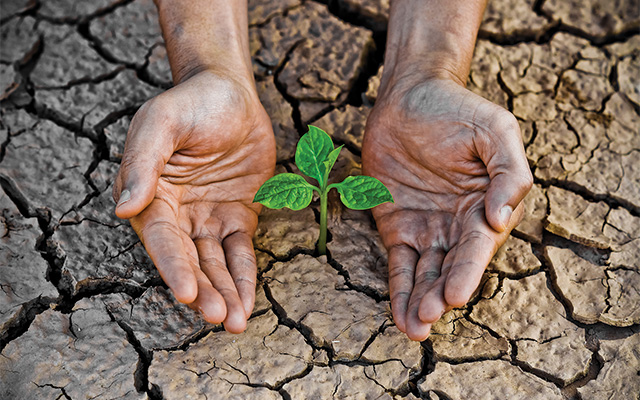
(315, 156)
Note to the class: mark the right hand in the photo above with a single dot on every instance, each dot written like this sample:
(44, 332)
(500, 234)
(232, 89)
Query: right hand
(194, 158)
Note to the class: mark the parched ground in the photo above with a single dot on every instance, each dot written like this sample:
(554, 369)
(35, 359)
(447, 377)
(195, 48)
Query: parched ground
(84, 314)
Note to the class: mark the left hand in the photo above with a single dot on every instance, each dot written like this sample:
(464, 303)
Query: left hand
(455, 165)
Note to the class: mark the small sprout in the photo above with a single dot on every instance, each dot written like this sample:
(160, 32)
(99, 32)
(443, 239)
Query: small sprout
(315, 157)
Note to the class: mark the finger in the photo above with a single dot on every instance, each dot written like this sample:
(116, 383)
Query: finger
(158, 229)
(508, 168)
(209, 302)
(147, 150)
(477, 245)
(402, 266)
(427, 275)
(433, 304)
(241, 261)
(212, 263)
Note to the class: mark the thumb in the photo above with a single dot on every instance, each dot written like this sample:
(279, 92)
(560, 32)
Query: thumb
(505, 193)
(147, 150)
(508, 169)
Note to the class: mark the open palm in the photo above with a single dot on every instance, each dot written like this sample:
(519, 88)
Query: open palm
(456, 167)
(194, 158)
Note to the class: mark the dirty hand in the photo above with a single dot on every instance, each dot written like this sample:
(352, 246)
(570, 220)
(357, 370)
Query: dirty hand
(193, 160)
(455, 165)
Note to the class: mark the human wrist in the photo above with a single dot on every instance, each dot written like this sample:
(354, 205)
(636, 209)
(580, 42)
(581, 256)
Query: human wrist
(224, 72)
(431, 39)
(402, 76)
(206, 35)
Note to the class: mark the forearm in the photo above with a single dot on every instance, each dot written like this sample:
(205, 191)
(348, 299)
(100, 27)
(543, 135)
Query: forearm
(432, 38)
(206, 34)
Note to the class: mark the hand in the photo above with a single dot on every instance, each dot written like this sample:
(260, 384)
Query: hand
(455, 165)
(194, 158)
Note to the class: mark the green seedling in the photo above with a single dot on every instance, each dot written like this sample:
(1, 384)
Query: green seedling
(315, 157)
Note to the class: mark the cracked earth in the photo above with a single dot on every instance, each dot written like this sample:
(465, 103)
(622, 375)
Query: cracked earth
(84, 314)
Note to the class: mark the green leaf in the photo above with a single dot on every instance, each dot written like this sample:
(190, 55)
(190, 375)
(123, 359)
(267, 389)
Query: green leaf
(362, 192)
(313, 149)
(331, 159)
(285, 190)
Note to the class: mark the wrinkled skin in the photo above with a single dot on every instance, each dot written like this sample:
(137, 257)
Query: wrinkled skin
(194, 158)
(452, 161)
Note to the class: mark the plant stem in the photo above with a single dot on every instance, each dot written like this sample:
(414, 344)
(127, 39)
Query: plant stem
(322, 241)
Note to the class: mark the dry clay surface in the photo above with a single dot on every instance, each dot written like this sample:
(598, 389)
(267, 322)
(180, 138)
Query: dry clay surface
(84, 314)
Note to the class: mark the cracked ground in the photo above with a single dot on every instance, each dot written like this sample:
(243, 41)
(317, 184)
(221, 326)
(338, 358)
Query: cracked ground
(84, 314)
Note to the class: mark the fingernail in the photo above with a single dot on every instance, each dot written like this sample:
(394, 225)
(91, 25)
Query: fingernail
(124, 197)
(505, 215)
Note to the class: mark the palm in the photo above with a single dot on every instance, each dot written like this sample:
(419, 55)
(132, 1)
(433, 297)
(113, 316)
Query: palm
(198, 226)
(435, 155)
(214, 173)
